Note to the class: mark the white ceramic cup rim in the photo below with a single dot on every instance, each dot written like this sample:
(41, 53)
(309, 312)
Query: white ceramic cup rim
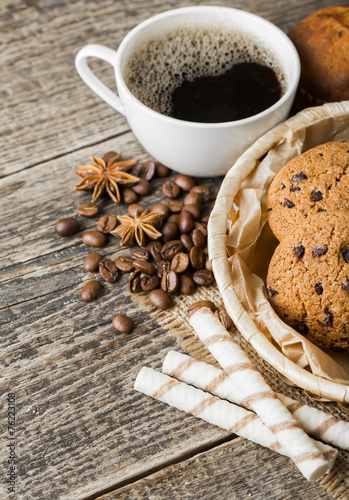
(291, 84)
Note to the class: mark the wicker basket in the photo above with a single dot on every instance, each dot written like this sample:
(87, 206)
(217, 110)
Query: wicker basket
(311, 119)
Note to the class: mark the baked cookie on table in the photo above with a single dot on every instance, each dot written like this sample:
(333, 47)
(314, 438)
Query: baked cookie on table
(308, 280)
(315, 181)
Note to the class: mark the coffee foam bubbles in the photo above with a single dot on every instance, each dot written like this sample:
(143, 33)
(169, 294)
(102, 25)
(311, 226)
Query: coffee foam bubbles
(159, 64)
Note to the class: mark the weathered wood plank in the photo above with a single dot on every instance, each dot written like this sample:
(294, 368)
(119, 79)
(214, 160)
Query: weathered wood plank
(236, 470)
(47, 110)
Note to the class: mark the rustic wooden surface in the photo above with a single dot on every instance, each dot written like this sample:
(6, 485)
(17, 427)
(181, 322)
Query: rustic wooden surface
(81, 430)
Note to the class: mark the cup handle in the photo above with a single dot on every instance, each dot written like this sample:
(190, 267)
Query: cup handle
(91, 80)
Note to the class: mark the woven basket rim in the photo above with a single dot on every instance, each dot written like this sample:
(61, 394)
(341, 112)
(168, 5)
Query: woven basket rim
(218, 254)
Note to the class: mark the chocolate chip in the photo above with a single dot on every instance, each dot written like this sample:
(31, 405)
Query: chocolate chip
(299, 177)
(294, 188)
(319, 289)
(269, 209)
(283, 187)
(288, 203)
(345, 286)
(317, 196)
(320, 154)
(272, 292)
(318, 251)
(345, 254)
(329, 319)
(299, 251)
(301, 327)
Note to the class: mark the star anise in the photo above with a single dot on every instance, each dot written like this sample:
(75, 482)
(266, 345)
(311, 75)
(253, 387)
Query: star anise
(105, 174)
(138, 228)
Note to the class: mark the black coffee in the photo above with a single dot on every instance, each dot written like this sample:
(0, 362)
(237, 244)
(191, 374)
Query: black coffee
(204, 74)
(244, 90)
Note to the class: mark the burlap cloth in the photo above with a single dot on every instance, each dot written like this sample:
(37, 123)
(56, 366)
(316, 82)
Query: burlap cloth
(175, 322)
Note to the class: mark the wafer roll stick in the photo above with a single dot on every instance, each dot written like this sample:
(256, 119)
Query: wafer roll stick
(211, 379)
(258, 395)
(211, 409)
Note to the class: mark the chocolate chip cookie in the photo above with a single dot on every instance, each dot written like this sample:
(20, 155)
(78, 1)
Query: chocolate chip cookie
(308, 280)
(315, 181)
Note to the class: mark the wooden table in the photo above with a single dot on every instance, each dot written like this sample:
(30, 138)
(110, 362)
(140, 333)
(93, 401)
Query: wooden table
(81, 430)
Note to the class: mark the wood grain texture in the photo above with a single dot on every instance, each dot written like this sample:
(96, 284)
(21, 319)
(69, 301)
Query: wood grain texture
(228, 471)
(47, 110)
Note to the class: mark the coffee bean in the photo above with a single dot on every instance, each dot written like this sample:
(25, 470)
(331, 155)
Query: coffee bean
(140, 253)
(147, 170)
(155, 251)
(186, 285)
(67, 227)
(224, 318)
(109, 155)
(193, 199)
(123, 324)
(187, 242)
(199, 305)
(91, 262)
(107, 223)
(124, 263)
(185, 182)
(205, 219)
(163, 266)
(173, 218)
(201, 227)
(171, 248)
(203, 277)
(144, 266)
(175, 206)
(194, 210)
(149, 282)
(198, 238)
(161, 170)
(129, 196)
(170, 189)
(161, 208)
(142, 187)
(94, 239)
(170, 281)
(133, 208)
(180, 262)
(160, 299)
(134, 282)
(169, 231)
(197, 258)
(204, 191)
(186, 222)
(88, 209)
(108, 270)
(91, 290)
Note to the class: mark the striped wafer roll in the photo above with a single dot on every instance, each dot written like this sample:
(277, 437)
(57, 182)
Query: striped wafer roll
(211, 379)
(258, 395)
(211, 409)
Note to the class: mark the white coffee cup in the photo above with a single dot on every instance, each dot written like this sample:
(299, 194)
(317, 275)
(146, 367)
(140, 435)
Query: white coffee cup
(198, 149)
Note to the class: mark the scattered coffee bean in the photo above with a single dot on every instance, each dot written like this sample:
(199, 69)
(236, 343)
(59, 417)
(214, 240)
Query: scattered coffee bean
(180, 262)
(161, 208)
(197, 258)
(186, 222)
(155, 251)
(135, 207)
(208, 264)
(201, 227)
(175, 206)
(205, 219)
(319, 251)
(140, 253)
(144, 266)
(170, 281)
(193, 199)
(185, 182)
(299, 251)
(134, 282)
(108, 270)
(123, 324)
(111, 154)
(163, 266)
(203, 277)
(67, 227)
(94, 239)
(88, 209)
(198, 238)
(194, 210)
(147, 170)
(107, 223)
(187, 242)
(149, 282)
(91, 290)
(124, 263)
(160, 299)
(142, 187)
(161, 170)
(173, 218)
(91, 262)
(186, 285)
(200, 304)
(224, 318)
(204, 191)
(288, 203)
(170, 189)
(298, 177)
(169, 231)
(171, 248)
(129, 196)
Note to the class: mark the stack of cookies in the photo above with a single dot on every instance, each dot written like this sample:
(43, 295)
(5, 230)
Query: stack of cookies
(308, 276)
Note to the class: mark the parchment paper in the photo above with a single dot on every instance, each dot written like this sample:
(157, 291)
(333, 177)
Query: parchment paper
(251, 245)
